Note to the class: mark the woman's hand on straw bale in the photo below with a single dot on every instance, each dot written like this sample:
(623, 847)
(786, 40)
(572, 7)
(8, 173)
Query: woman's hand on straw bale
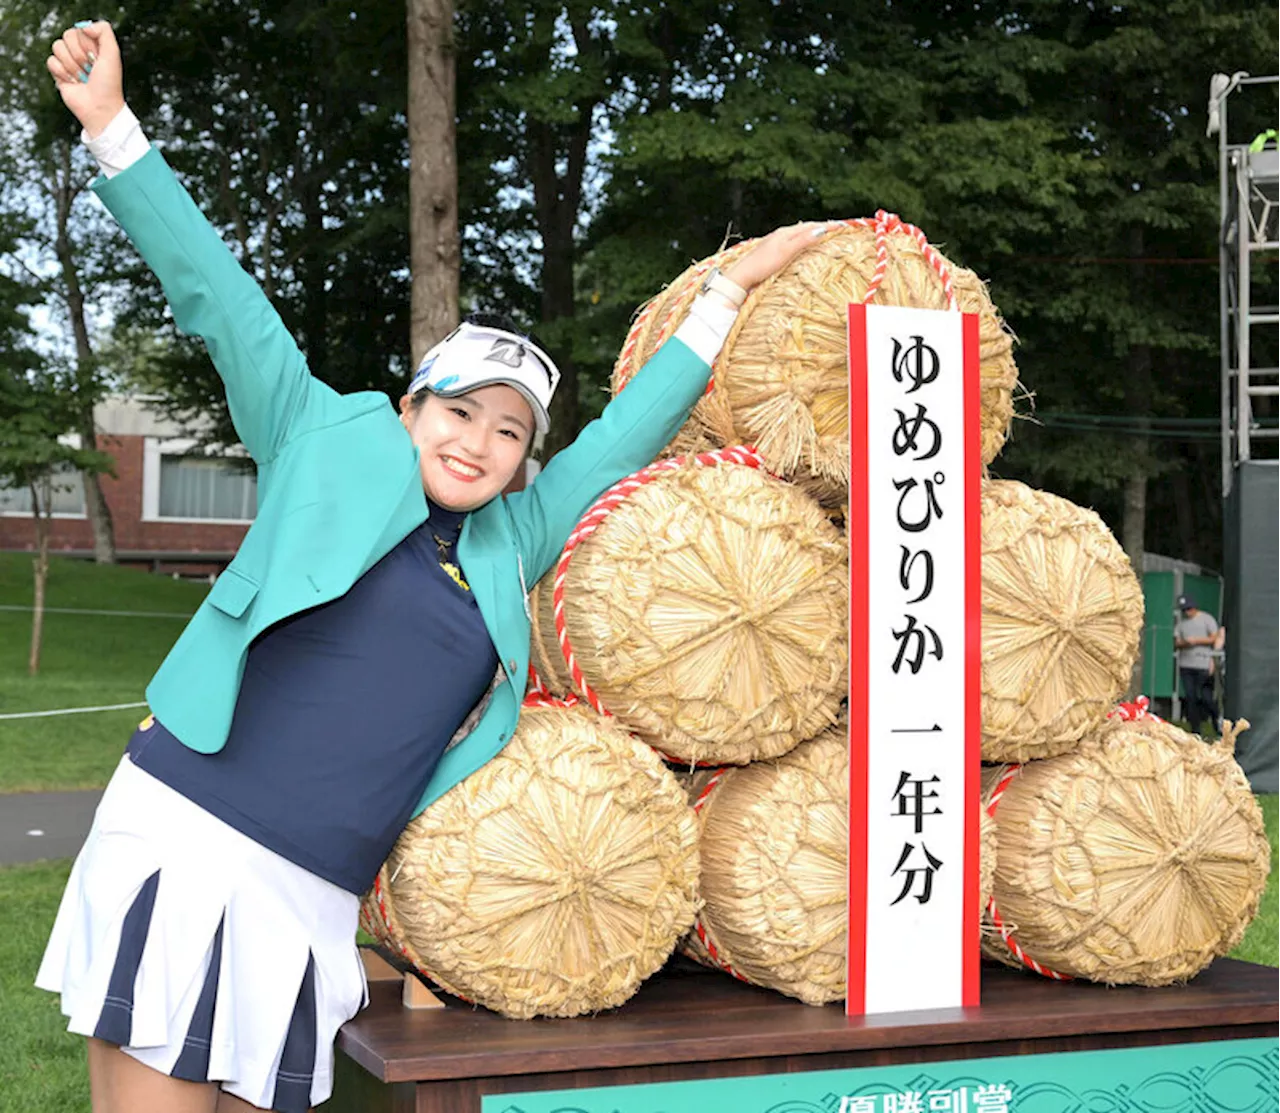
(85, 64)
(776, 250)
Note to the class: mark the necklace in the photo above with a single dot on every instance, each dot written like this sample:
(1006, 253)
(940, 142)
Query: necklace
(444, 552)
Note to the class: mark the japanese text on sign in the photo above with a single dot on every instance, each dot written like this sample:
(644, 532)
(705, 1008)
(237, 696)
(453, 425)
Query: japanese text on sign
(979, 1099)
(914, 605)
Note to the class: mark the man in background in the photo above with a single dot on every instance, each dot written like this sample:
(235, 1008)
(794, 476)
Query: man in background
(1194, 638)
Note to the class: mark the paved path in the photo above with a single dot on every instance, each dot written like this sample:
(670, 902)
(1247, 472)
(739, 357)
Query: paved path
(44, 824)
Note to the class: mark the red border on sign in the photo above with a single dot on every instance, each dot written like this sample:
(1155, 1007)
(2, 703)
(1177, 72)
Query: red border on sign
(856, 531)
(969, 986)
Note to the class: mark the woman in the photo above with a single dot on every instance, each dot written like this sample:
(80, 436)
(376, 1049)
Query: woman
(364, 652)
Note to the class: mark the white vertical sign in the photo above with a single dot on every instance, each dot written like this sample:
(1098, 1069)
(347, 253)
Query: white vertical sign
(915, 659)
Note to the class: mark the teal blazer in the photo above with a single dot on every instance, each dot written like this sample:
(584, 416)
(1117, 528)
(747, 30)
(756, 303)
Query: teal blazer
(339, 484)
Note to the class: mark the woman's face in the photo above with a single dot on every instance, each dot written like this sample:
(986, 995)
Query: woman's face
(470, 446)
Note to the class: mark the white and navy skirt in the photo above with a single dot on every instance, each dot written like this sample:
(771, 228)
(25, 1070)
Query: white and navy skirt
(201, 953)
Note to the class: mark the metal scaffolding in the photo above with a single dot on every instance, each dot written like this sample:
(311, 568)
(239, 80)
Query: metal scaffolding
(1249, 197)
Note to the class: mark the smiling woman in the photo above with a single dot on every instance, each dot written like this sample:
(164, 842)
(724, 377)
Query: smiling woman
(366, 651)
(469, 447)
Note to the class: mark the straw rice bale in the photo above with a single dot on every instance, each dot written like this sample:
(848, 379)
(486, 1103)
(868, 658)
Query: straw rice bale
(708, 612)
(1061, 618)
(774, 849)
(774, 845)
(781, 381)
(1139, 858)
(552, 881)
(987, 856)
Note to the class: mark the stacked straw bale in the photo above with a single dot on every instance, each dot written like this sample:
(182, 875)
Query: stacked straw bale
(1138, 858)
(1061, 619)
(552, 881)
(781, 381)
(708, 612)
(774, 846)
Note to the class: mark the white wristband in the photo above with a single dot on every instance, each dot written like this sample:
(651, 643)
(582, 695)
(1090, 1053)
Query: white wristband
(721, 284)
(706, 327)
(119, 145)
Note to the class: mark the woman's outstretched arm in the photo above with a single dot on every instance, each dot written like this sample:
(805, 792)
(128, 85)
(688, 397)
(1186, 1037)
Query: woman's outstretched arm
(270, 392)
(641, 419)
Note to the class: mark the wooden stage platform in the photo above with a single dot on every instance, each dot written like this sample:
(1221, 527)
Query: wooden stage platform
(689, 1023)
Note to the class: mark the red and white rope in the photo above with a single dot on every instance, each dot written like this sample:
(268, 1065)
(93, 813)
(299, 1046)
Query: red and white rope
(546, 699)
(1139, 708)
(714, 955)
(1000, 788)
(884, 223)
(699, 928)
(590, 522)
(715, 779)
(386, 936)
(1006, 933)
(535, 687)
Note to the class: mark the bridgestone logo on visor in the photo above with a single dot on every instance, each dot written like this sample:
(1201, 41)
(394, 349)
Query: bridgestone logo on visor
(507, 352)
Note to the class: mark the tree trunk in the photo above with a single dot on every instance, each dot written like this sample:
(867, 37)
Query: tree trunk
(1138, 394)
(1135, 518)
(433, 175)
(1184, 513)
(95, 502)
(95, 505)
(40, 567)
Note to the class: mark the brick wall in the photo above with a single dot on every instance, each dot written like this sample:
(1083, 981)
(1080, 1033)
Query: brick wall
(123, 493)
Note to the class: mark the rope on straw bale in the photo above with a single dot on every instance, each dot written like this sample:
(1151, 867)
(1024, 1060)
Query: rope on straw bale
(703, 603)
(774, 845)
(1061, 619)
(552, 881)
(782, 377)
(1136, 859)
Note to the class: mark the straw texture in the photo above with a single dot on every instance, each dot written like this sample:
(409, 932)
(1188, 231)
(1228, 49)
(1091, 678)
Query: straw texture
(774, 845)
(709, 614)
(988, 850)
(1139, 858)
(781, 381)
(552, 881)
(1061, 618)
(774, 849)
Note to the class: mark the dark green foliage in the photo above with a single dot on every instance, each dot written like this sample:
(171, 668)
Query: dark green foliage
(1057, 148)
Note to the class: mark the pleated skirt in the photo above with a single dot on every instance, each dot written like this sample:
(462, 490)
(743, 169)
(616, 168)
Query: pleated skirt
(201, 953)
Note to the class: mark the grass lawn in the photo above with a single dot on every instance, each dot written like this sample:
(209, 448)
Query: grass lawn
(1262, 941)
(88, 661)
(41, 1066)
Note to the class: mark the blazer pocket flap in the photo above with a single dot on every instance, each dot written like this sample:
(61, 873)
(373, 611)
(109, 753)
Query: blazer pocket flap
(232, 592)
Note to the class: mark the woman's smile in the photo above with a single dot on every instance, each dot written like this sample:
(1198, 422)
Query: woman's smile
(460, 469)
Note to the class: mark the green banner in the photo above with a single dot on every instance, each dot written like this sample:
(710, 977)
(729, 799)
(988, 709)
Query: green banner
(1231, 1076)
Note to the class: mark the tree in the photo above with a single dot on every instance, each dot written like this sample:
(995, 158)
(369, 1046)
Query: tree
(1116, 302)
(433, 174)
(37, 408)
(286, 121)
(61, 245)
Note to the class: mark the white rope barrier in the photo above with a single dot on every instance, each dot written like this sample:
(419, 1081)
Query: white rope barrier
(70, 711)
(85, 610)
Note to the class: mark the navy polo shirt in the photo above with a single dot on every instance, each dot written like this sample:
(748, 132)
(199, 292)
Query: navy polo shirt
(343, 712)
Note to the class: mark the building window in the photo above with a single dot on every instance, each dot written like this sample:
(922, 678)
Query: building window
(180, 486)
(64, 489)
(201, 487)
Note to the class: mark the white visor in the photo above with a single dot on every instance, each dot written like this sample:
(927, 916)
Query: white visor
(472, 356)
